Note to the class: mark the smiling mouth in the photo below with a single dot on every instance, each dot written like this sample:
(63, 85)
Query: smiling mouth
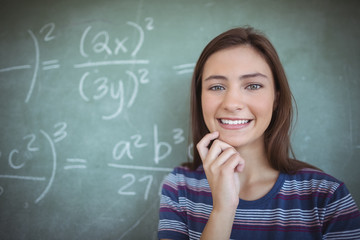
(233, 122)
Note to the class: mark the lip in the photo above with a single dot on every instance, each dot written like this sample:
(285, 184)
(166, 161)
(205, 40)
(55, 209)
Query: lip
(236, 126)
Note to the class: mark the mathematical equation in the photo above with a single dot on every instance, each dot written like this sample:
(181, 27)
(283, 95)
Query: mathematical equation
(34, 160)
(19, 159)
(93, 85)
(21, 156)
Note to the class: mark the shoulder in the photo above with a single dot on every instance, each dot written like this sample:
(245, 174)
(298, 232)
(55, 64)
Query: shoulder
(339, 214)
(308, 174)
(314, 183)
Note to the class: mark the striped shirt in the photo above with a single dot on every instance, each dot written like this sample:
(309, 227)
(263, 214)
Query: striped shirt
(307, 205)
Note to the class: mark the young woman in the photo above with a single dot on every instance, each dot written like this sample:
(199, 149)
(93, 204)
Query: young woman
(242, 184)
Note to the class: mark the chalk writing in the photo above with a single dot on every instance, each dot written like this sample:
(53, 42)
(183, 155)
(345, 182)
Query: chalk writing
(127, 185)
(124, 147)
(33, 160)
(121, 149)
(60, 132)
(103, 43)
(178, 135)
(48, 29)
(52, 177)
(158, 145)
(149, 179)
(124, 190)
(99, 87)
(150, 23)
(112, 63)
(50, 64)
(27, 178)
(15, 163)
(19, 159)
(48, 37)
(21, 67)
(184, 68)
(36, 67)
(161, 149)
(75, 163)
(190, 151)
(141, 168)
(97, 43)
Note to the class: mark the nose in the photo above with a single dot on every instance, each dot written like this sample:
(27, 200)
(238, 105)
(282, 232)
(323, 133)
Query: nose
(233, 100)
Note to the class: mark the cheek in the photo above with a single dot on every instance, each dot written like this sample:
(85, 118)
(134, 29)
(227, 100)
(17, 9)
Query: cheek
(206, 107)
(265, 111)
(208, 111)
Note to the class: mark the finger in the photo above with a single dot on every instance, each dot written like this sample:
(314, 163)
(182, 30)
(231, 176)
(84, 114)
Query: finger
(217, 148)
(220, 156)
(203, 145)
(234, 164)
(240, 167)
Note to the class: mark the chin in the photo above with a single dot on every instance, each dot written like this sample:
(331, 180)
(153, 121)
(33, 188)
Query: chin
(232, 141)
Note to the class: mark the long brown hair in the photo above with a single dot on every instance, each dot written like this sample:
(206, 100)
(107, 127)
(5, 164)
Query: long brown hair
(277, 135)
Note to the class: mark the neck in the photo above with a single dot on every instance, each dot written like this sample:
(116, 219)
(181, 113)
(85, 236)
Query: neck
(258, 177)
(256, 162)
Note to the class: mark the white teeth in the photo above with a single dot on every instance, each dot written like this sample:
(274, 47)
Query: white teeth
(235, 122)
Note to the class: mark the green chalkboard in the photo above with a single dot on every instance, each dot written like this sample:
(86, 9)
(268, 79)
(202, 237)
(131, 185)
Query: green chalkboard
(94, 103)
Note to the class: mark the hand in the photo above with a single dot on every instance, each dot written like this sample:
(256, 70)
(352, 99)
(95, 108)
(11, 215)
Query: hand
(222, 163)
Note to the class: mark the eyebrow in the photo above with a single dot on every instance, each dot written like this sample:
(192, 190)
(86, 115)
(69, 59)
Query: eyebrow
(242, 77)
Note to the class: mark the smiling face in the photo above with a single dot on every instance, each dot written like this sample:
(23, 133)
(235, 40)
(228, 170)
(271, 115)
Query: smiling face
(238, 95)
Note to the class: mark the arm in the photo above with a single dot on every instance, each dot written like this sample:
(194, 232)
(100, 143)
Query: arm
(218, 226)
(222, 163)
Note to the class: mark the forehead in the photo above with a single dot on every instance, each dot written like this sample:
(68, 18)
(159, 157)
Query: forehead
(239, 60)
